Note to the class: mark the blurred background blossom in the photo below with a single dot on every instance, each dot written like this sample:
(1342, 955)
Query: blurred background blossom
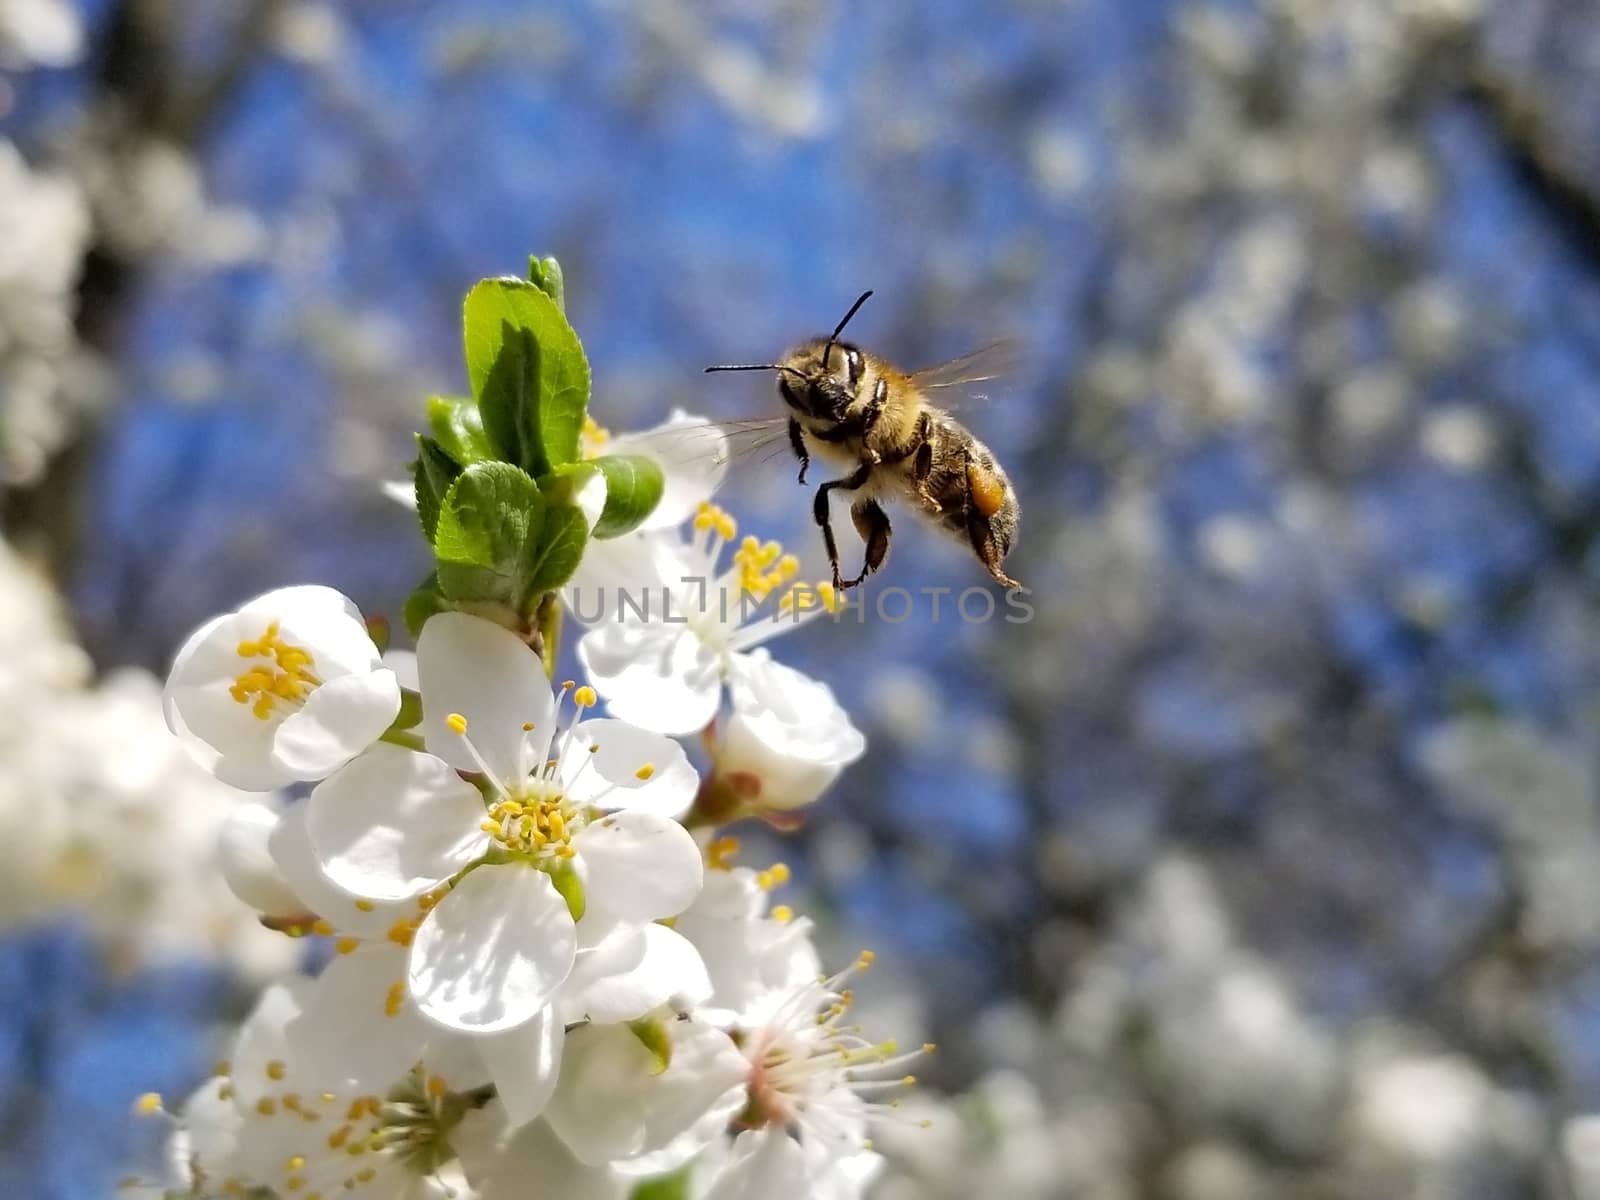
(1261, 862)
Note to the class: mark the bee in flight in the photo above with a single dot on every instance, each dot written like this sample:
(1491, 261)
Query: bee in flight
(851, 408)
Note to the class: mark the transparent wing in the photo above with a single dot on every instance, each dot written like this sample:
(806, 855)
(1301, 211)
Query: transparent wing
(996, 360)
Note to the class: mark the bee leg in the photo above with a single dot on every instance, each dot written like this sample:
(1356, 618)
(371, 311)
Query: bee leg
(979, 531)
(799, 444)
(819, 510)
(872, 523)
(921, 470)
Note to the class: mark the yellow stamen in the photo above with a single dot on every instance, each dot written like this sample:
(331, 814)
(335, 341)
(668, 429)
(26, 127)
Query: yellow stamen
(276, 1069)
(783, 914)
(365, 905)
(585, 697)
(148, 1104)
(645, 771)
(721, 852)
(285, 674)
(456, 723)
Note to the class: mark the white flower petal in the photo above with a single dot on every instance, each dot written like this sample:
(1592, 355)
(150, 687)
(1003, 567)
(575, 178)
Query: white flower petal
(321, 621)
(693, 454)
(262, 1048)
(488, 675)
(402, 491)
(350, 1036)
(787, 731)
(211, 1122)
(244, 854)
(404, 665)
(503, 1163)
(339, 720)
(655, 675)
(631, 768)
(614, 1101)
(764, 1163)
(291, 850)
(667, 971)
(525, 1063)
(492, 953)
(394, 823)
(639, 866)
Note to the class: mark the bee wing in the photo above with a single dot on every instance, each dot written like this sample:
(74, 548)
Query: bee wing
(993, 361)
(728, 442)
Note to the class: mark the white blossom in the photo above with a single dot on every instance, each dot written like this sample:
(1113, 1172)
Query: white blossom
(661, 664)
(540, 859)
(287, 688)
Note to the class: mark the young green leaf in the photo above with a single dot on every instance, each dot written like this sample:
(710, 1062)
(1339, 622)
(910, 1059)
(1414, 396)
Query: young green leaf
(527, 371)
(433, 473)
(422, 604)
(490, 520)
(633, 489)
(458, 428)
(558, 551)
(545, 274)
(510, 399)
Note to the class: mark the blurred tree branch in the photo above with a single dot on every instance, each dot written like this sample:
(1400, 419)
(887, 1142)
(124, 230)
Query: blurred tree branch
(143, 91)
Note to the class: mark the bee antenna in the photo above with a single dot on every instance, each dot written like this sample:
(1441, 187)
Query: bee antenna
(752, 367)
(839, 328)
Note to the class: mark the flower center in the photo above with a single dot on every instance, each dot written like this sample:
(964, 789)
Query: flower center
(279, 672)
(531, 815)
(760, 569)
(535, 819)
(347, 1140)
(805, 1063)
(592, 438)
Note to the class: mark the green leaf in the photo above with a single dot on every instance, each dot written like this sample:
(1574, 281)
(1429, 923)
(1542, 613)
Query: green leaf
(653, 1036)
(458, 428)
(634, 485)
(432, 474)
(510, 400)
(489, 529)
(422, 604)
(559, 550)
(527, 371)
(667, 1187)
(545, 274)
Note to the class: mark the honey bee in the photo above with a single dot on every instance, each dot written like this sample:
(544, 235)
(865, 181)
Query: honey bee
(854, 409)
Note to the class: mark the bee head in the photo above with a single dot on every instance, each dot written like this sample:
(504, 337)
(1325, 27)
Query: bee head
(818, 378)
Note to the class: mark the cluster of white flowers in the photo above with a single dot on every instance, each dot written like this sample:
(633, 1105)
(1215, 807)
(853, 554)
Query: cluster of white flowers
(548, 977)
(103, 819)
